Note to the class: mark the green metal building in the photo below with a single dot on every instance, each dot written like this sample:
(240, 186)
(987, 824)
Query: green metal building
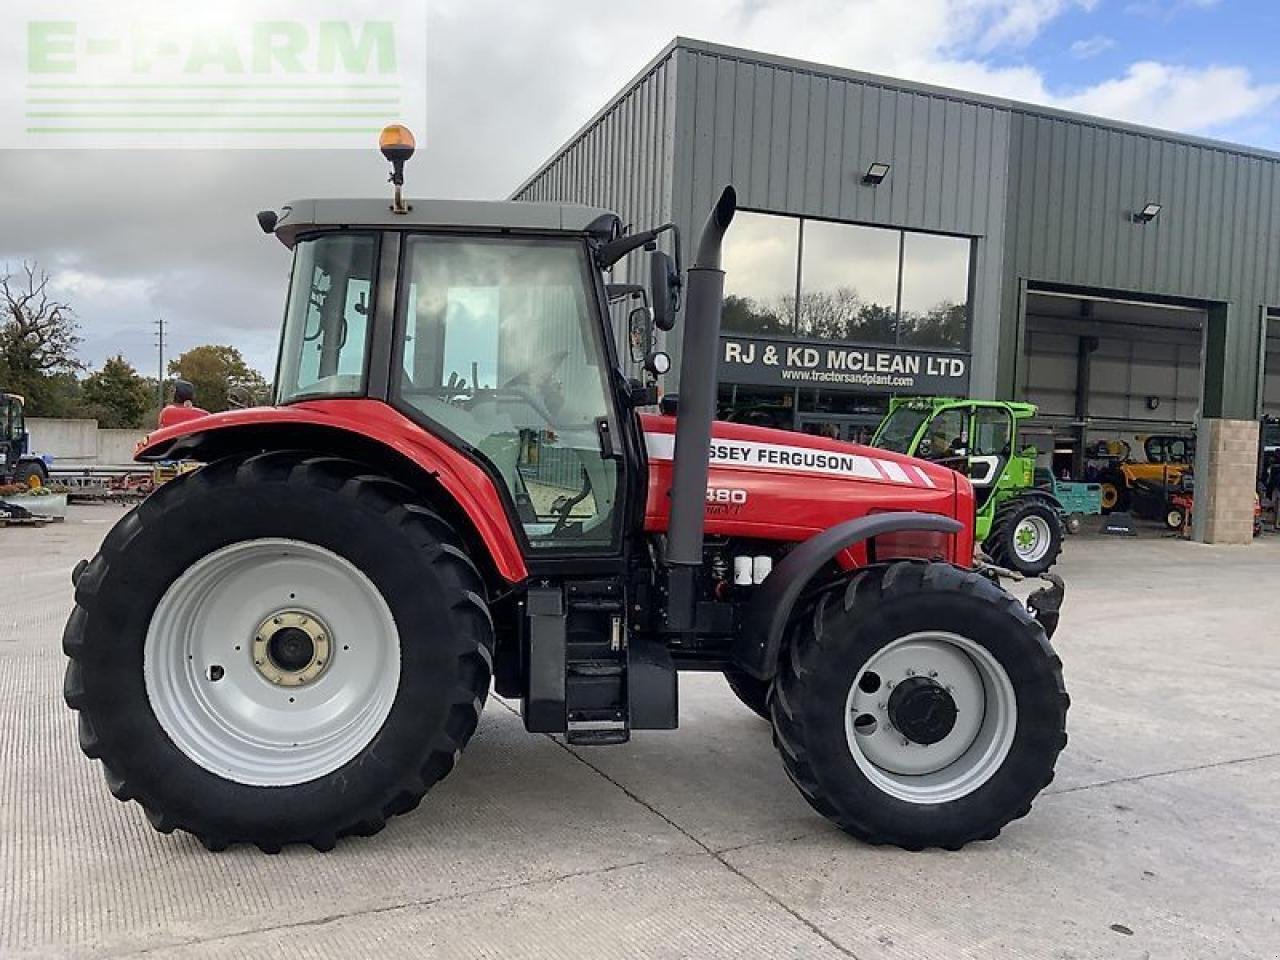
(905, 238)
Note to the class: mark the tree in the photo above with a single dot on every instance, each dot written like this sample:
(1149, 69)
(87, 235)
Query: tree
(116, 395)
(215, 371)
(38, 339)
(755, 318)
(943, 326)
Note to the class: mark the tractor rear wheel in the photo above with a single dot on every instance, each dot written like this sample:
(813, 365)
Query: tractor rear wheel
(752, 692)
(1026, 536)
(278, 649)
(920, 706)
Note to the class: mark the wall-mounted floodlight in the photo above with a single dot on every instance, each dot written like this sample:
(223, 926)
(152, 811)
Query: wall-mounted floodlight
(876, 173)
(1147, 213)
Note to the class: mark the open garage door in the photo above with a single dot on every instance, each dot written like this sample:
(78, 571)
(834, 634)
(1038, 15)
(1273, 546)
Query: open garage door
(1271, 367)
(1118, 383)
(1269, 457)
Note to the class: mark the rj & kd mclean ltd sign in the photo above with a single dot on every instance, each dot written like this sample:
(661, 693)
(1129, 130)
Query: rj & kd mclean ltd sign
(761, 361)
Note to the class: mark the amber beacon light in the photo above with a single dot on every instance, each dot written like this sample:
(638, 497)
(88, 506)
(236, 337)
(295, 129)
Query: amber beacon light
(397, 145)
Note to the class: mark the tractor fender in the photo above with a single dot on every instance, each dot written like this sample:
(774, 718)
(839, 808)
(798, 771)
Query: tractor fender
(356, 428)
(759, 644)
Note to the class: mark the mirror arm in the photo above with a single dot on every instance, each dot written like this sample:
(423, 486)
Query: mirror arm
(607, 254)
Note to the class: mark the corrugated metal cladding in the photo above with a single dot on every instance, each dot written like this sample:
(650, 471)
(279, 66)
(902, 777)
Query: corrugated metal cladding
(1073, 188)
(1048, 197)
(622, 159)
(796, 141)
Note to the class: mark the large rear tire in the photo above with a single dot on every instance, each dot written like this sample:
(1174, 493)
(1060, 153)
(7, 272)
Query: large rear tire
(921, 706)
(278, 649)
(1026, 536)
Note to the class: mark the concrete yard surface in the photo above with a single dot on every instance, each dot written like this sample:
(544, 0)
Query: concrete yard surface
(1160, 836)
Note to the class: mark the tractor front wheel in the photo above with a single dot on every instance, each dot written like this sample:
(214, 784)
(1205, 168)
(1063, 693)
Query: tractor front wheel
(920, 706)
(1026, 536)
(30, 474)
(278, 649)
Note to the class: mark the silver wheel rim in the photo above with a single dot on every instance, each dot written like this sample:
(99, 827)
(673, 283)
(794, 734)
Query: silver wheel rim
(1174, 519)
(1031, 538)
(238, 713)
(974, 749)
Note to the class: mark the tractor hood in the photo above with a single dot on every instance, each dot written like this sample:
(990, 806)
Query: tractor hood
(776, 484)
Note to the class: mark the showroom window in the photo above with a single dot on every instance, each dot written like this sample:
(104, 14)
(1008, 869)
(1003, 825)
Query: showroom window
(792, 276)
(935, 291)
(761, 299)
(848, 283)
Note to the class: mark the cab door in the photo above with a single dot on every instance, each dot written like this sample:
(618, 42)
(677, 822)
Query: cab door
(944, 438)
(990, 447)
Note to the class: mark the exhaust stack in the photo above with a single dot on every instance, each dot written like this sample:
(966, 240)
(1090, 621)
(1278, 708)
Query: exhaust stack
(699, 360)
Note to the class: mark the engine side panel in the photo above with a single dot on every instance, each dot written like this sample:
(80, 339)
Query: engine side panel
(776, 485)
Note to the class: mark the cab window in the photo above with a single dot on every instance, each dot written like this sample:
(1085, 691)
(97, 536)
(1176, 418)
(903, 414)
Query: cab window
(327, 320)
(945, 436)
(992, 429)
(503, 348)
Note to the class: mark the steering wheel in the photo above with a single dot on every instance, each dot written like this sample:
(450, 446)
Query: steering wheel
(538, 372)
(530, 384)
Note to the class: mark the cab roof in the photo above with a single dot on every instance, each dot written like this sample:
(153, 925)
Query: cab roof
(499, 216)
(1019, 410)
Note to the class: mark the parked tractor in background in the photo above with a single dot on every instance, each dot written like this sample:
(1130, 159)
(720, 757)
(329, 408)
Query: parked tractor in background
(457, 486)
(17, 463)
(1111, 464)
(1020, 526)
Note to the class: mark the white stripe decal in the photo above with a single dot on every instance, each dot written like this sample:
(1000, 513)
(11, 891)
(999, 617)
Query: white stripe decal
(749, 453)
(895, 472)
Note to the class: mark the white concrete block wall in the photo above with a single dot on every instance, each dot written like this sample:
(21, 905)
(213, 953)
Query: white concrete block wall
(79, 442)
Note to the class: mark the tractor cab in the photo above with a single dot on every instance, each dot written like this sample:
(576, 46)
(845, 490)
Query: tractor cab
(976, 438)
(13, 431)
(490, 333)
(1018, 523)
(17, 464)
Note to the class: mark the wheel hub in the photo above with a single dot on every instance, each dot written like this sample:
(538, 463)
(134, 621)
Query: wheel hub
(1031, 539)
(930, 716)
(291, 648)
(922, 710)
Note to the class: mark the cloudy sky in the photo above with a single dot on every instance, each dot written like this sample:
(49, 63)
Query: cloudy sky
(132, 235)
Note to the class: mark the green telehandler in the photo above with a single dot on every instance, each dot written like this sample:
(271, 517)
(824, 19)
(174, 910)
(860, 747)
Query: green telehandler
(1019, 525)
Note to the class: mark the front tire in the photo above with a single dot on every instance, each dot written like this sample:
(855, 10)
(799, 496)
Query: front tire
(920, 706)
(30, 474)
(278, 649)
(1026, 536)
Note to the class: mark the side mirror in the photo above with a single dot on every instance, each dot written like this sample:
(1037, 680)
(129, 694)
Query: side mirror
(639, 334)
(664, 289)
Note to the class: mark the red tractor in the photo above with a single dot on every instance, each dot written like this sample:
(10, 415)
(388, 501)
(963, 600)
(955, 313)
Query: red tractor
(455, 488)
